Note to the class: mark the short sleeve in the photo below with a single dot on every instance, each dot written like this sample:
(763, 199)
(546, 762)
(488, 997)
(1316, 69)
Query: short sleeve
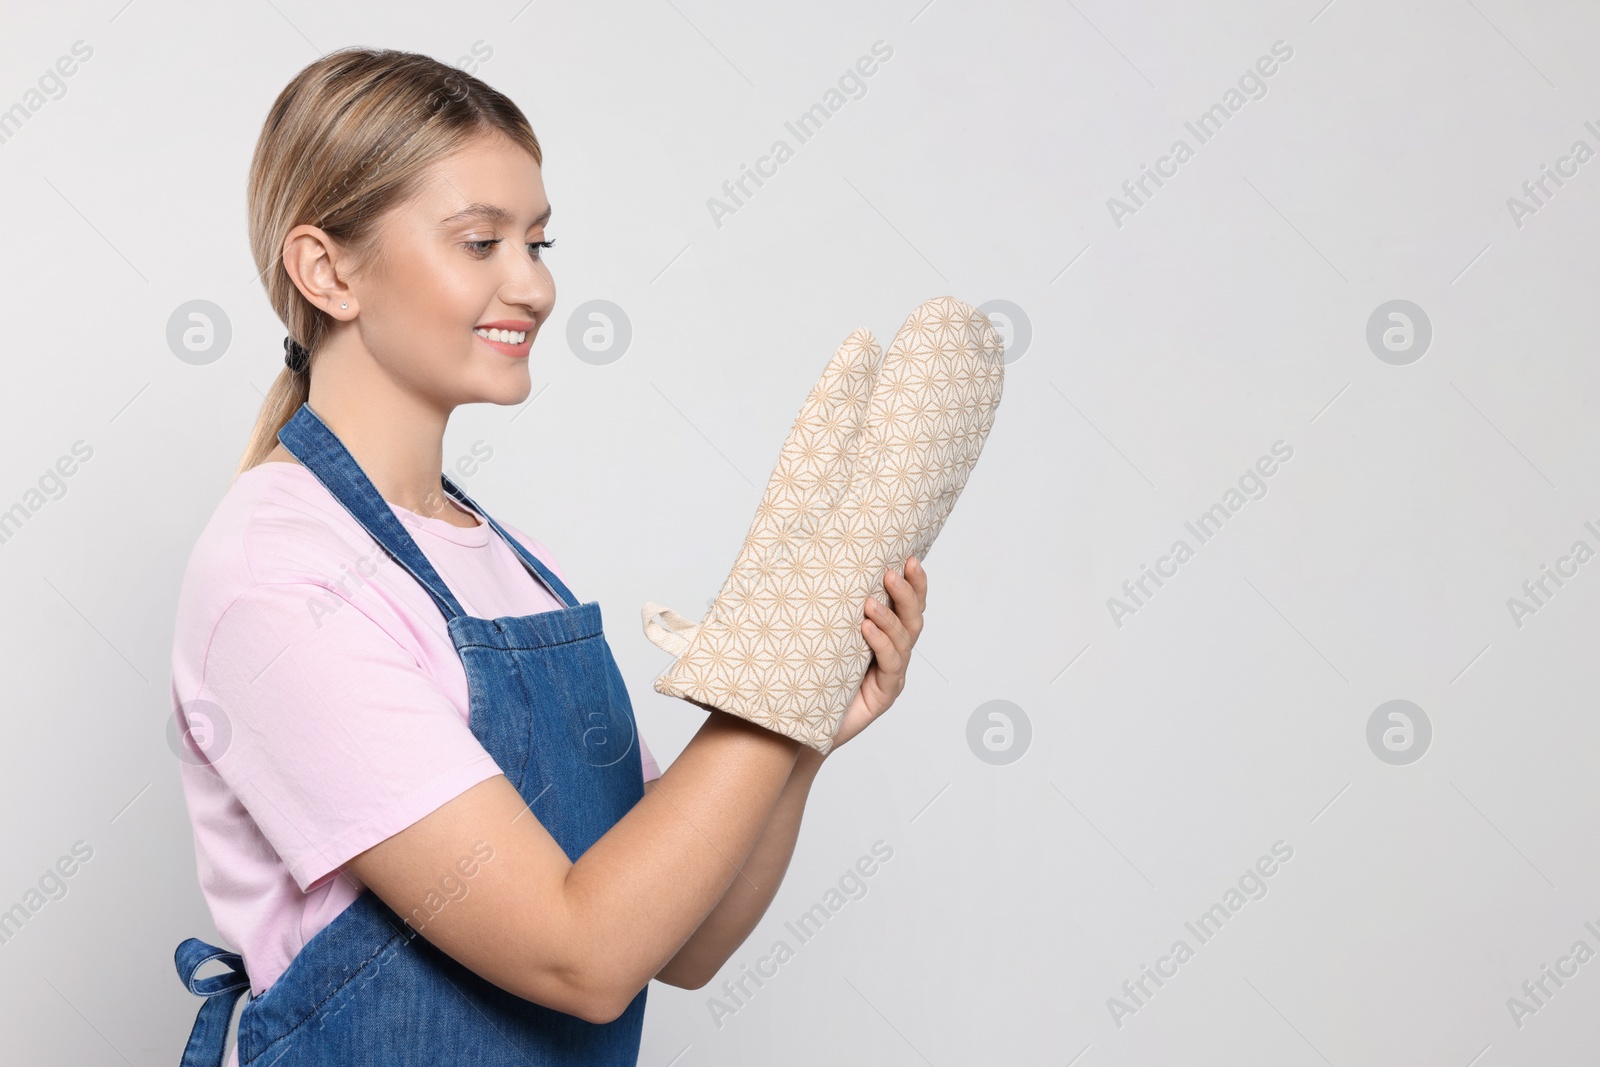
(337, 737)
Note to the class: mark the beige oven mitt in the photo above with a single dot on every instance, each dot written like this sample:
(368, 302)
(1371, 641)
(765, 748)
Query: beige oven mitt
(867, 476)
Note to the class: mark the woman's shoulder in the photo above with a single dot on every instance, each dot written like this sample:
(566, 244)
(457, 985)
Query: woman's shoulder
(275, 524)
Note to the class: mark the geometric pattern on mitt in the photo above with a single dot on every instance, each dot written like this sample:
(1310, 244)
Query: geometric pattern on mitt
(870, 471)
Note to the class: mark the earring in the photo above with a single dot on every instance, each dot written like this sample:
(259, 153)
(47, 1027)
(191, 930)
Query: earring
(344, 305)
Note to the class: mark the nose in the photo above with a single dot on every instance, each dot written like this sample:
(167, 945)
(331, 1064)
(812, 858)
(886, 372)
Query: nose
(529, 284)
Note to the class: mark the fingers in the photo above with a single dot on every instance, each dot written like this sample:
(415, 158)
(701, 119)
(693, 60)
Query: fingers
(918, 578)
(887, 620)
(909, 592)
(891, 633)
(891, 649)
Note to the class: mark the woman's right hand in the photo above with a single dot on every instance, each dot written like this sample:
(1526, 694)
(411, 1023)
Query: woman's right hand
(891, 635)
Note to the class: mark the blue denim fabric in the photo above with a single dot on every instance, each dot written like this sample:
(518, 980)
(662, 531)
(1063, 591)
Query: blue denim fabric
(549, 704)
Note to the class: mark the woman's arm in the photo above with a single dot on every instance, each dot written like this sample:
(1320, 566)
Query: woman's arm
(585, 937)
(747, 899)
(891, 635)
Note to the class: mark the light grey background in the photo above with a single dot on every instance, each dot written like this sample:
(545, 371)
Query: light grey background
(1227, 313)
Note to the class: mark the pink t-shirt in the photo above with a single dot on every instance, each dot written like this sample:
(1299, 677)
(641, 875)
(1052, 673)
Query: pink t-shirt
(338, 703)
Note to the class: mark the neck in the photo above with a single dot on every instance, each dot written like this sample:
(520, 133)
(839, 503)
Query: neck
(395, 435)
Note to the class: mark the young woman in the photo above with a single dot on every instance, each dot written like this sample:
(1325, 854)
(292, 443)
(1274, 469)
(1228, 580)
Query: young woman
(420, 803)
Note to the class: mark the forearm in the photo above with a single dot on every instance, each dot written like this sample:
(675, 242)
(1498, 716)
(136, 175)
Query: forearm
(747, 899)
(651, 880)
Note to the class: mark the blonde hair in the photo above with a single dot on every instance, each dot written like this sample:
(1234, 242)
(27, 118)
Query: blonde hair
(350, 137)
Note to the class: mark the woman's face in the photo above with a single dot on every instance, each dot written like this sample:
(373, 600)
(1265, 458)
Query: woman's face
(459, 257)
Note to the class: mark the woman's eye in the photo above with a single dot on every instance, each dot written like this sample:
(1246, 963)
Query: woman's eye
(481, 248)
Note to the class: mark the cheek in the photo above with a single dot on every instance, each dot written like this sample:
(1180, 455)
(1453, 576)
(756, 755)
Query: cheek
(427, 314)
(430, 292)
(444, 303)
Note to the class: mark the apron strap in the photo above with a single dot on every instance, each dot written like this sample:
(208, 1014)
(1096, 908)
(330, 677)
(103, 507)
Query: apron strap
(310, 441)
(557, 587)
(208, 1041)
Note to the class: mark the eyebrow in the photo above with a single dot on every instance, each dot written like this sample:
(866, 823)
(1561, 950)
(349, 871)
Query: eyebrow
(493, 213)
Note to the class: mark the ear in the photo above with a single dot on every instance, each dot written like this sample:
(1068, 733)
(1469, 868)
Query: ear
(313, 261)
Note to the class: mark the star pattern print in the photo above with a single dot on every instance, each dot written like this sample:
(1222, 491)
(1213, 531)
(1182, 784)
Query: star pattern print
(867, 476)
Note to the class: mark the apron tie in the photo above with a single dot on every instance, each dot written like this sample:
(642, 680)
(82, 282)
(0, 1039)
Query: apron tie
(208, 1040)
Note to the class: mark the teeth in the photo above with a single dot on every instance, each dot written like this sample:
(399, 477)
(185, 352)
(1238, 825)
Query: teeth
(510, 337)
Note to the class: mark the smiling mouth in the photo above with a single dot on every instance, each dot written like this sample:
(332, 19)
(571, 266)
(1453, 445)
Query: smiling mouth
(514, 343)
(513, 337)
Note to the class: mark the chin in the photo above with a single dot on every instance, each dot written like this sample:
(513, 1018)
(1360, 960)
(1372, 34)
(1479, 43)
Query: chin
(512, 388)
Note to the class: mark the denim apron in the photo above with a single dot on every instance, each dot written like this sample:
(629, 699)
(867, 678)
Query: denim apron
(549, 704)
